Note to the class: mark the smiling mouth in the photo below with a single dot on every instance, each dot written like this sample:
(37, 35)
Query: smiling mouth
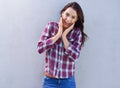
(66, 24)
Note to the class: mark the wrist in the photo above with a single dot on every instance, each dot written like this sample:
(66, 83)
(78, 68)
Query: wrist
(58, 35)
(55, 38)
(64, 35)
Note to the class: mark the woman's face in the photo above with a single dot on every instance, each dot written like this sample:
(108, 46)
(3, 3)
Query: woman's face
(69, 16)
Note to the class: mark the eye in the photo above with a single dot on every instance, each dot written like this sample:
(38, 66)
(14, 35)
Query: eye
(67, 14)
(73, 17)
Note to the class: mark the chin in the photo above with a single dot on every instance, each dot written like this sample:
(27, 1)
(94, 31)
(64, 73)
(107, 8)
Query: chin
(65, 27)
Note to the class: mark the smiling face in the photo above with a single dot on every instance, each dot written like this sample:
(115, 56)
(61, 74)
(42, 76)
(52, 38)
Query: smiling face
(69, 16)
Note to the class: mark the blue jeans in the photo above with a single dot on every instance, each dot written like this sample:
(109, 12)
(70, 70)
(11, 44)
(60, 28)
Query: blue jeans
(59, 83)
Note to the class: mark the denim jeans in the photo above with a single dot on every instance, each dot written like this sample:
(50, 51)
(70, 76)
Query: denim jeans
(59, 83)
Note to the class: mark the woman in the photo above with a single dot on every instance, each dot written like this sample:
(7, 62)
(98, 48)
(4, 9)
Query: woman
(62, 42)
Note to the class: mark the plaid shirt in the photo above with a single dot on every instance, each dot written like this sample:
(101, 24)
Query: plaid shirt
(60, 62)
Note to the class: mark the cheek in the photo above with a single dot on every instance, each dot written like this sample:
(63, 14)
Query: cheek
(63, 16)
(73, 21)
(63, 19)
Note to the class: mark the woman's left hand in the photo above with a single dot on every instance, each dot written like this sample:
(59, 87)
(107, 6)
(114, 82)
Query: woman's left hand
(68, 30)
(64, 38)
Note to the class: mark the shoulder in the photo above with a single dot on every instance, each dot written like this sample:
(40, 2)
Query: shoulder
(52, 26)
(52, 23)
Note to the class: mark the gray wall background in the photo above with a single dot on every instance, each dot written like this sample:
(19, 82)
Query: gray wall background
(21, 24)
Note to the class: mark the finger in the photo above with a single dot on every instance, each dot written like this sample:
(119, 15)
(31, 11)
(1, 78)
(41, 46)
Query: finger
(72, 26)
(60, 22)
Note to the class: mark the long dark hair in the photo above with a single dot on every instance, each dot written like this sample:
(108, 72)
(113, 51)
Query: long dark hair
(80, 22)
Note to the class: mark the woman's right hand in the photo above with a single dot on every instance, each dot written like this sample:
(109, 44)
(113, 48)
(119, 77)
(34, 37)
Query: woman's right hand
(59, 33)
(60, 27)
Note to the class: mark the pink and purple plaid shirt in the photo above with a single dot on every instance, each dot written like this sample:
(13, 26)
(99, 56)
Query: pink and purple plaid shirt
(60, 62)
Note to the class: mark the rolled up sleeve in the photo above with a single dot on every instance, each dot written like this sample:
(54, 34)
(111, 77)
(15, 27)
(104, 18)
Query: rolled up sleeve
(45, 41)
(74, 48)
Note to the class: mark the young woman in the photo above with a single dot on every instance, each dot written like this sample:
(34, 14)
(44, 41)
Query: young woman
(62, 42)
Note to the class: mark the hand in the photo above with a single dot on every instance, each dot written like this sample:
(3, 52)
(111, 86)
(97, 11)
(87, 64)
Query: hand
(59, 33)
(64, 38)
(68, 30)
(60, 29)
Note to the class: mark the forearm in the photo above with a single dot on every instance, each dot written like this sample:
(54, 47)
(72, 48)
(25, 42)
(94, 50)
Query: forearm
(57, 36)
(65, 41)
(44, 45)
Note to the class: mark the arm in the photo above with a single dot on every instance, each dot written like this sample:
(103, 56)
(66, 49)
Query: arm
(59, 33)
(45, 42)
(64, 38)
(73, 48)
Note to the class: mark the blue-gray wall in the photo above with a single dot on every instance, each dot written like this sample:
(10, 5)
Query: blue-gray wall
(21, 24)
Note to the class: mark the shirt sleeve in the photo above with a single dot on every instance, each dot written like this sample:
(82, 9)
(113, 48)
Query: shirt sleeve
(74, 48)
(45, 41)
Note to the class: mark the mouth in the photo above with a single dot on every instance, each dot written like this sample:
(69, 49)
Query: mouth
(66, 25)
